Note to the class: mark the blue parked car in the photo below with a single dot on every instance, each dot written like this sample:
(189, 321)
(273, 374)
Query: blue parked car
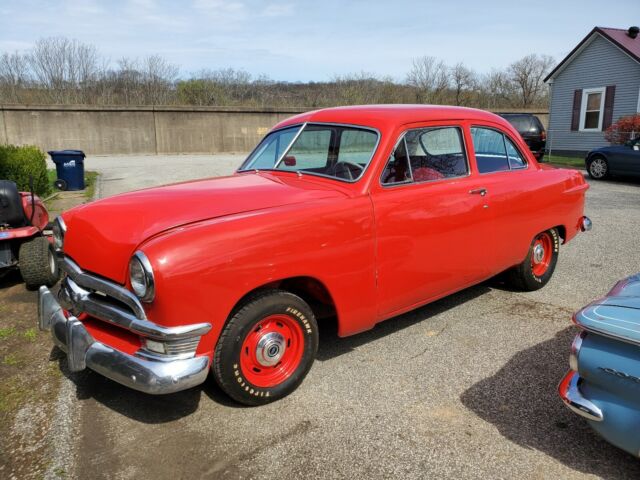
(614, 160)
(603, 384)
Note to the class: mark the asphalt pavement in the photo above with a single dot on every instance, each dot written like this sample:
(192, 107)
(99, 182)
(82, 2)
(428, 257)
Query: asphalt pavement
(462, 388)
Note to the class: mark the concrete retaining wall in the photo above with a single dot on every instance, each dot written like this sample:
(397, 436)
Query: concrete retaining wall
(142, 130)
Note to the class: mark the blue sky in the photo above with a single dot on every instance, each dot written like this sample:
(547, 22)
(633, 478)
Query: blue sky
(314, 40)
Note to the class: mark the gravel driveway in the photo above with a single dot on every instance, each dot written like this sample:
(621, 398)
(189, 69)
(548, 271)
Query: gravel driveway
(462, 388)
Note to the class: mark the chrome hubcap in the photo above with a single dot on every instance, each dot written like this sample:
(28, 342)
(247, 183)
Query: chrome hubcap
(538, 253)
(598, 168)
(270, 349)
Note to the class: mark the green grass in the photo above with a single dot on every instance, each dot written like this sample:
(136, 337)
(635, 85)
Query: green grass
(90, 178)
(6, 332)
(10, 360)
(51, 175)
(576, 162)
(30, 334)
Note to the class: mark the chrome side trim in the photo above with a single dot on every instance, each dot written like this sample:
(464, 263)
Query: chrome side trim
(109, 288)
(569, 391)
(576, 345)
(76, 299)
(145, 375)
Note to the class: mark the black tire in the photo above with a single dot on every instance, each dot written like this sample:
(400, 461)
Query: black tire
(523, 276)
(61, 184)
(242, 327)
(38, 265)
(598, 167)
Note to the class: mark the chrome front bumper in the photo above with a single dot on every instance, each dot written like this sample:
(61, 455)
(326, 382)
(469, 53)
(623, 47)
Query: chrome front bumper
(149, 376)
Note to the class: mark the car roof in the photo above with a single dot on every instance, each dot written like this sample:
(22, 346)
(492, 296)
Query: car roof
(385, 116)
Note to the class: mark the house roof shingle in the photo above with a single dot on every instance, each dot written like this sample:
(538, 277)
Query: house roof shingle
(618, 36)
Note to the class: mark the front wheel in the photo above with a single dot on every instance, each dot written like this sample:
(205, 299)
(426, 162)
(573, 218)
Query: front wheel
(598, 168)
(537, 268)
(267, 348)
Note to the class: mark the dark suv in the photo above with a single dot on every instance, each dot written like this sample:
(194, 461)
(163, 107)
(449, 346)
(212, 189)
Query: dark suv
(531, 129)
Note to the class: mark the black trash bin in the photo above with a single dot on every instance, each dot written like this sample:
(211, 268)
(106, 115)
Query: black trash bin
(69, 169)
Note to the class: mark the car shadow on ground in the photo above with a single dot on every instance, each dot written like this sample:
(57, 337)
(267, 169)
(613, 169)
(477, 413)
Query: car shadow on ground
(139, 406)
(521, 401)
(331, 345)
(626, 180)
(155, 409)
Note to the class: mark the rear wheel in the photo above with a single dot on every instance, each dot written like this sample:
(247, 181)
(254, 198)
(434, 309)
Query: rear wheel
(598, 168)
(267, 348)
(38, 265)
(538, 267)
(60, 184)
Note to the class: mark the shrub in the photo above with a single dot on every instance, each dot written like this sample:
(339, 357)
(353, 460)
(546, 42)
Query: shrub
(18, 164)
(625, 129)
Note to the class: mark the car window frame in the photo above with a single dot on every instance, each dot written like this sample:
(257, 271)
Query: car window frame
(301, 128)
(505, 135)
(460, 127)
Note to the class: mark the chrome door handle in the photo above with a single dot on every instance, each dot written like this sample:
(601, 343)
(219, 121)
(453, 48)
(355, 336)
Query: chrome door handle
(479, 191)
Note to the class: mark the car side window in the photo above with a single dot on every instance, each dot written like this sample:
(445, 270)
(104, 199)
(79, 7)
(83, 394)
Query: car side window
(515, 159)
(491, 153)
(428, 154)
(495, 152)
(397, 169)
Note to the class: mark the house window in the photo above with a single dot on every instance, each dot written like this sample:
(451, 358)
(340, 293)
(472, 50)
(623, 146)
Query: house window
(592, 109)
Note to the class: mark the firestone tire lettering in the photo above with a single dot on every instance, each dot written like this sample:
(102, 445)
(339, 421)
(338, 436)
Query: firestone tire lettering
(227, 365)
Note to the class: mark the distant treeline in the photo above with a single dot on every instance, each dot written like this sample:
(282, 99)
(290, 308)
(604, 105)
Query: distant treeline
(64, 71)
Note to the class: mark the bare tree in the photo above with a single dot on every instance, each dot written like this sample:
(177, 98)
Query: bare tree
(66, 68)
(158, 77)
(14, 77)
(496, 89)
(463, 81)
(528, 74)
(430, 76)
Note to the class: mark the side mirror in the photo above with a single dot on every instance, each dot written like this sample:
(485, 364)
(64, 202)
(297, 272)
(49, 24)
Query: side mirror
(290, 161)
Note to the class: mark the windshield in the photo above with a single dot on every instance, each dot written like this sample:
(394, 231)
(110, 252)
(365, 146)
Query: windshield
(336, 151)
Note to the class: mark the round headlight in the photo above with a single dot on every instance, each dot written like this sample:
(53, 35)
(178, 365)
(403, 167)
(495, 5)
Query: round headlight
(141, 277)
(58, 230)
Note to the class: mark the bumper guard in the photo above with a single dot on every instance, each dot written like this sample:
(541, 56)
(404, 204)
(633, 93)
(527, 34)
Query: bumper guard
(149, 376)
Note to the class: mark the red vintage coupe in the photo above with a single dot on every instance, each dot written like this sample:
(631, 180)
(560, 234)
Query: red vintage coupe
(356, 214)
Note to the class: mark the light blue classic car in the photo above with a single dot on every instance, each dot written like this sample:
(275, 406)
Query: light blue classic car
(603, 384)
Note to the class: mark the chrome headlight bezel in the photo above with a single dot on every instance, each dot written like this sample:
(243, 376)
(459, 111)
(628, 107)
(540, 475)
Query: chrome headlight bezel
(143, 284)
(58, 232)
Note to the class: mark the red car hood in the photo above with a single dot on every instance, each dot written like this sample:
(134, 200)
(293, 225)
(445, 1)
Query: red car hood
(101, 236)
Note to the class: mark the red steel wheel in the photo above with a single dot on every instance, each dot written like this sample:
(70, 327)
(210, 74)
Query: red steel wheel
(272, 351)
(542, 253)
(266, 348)
(536, 269)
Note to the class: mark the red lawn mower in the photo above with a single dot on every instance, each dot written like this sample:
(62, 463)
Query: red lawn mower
(23, 243)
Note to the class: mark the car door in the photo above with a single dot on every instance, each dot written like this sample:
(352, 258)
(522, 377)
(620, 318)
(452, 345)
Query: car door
(625, 159)
(432, 221)
(513, 190)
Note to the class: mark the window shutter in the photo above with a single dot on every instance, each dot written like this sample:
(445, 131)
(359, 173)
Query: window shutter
(609, 97)
(575, 116)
